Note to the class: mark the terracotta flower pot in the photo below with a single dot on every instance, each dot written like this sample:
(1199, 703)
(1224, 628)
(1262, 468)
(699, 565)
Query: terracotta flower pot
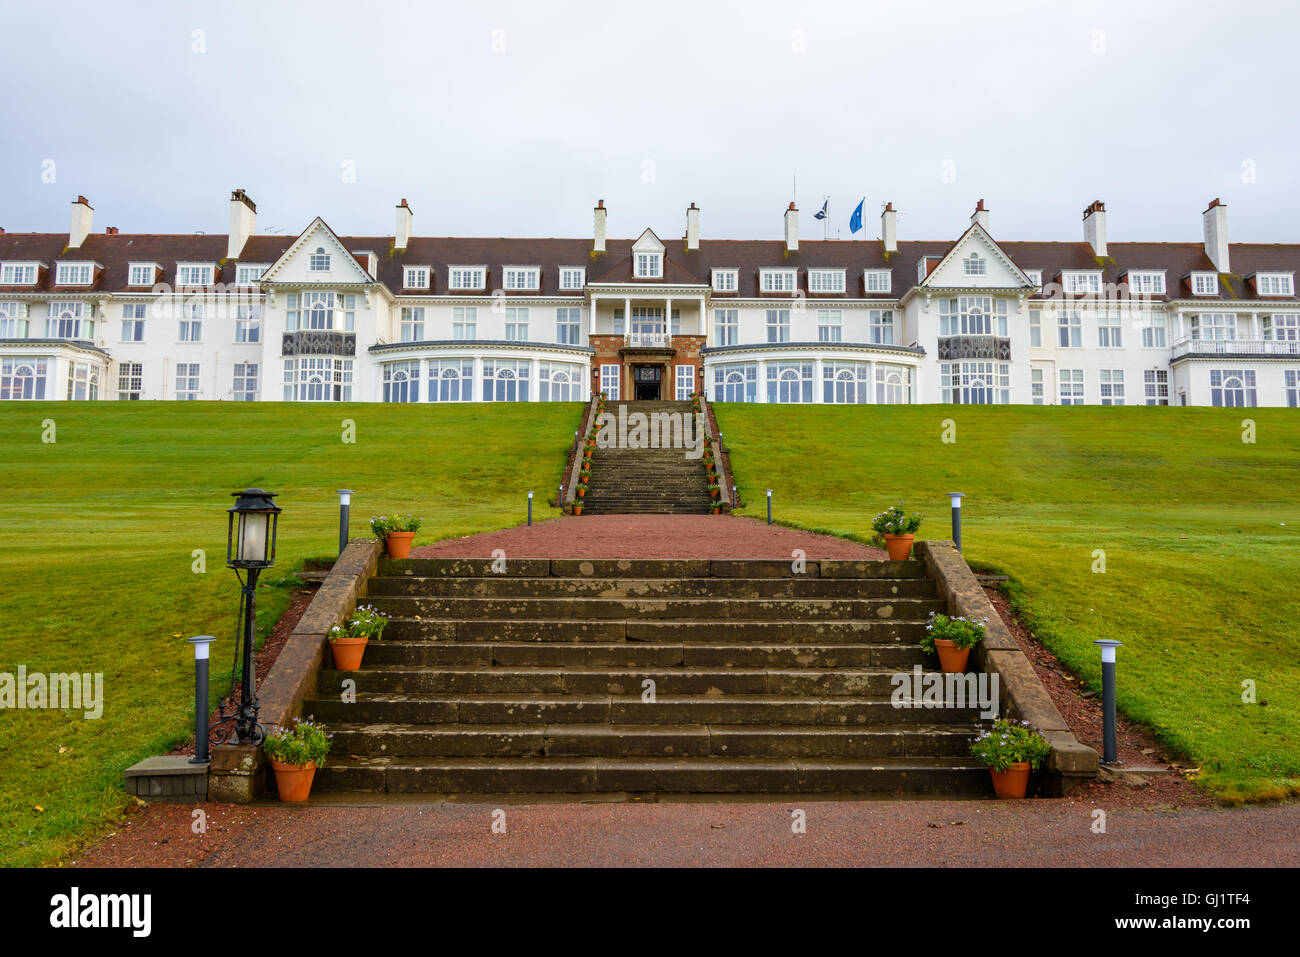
(582, 492)
(577, 508)
(399, 544)
(293, 781)
(951, 658)
(717, 510)
(899, 546)
(1013, 782)
(347, 652)
(714, 492)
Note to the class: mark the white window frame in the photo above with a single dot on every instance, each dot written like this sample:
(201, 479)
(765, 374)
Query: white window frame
(1037, 393)
(132, 279)
(242, 273)
(189, 374)
(13, 319)
(521, 278)
(573, 278)
(1081, 282)
(610, 376)
(244, 382)
(464, 273)
(725, 280)
(726, 326)
(464, 323)
(74, 274)
(410, 324)
(12, 273)
(826, 280)
(130, 380)
(569, 319)
(1110, 330)
(778, 325)
(1283, 283)
(516, 316)
(1035, 277)
(1146, 282)
(648, 265)
(248, 323)
(320, 260)
(1035, 328)
(1205, 283)
(877, 280)
(830, 325)
(1071, 386)
(974, 265)
(1110, 386)
(205, 272)
(778, 280)
(683, 382)
(1155, 335)
(416, 277)
(881, 328)
(1221, 326)
(1155, 386)
(1248, 388)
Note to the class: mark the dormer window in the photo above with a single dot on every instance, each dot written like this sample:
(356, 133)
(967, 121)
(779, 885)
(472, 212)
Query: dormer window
(1205, 284)
(1146, 282)
(1274, 284)
(1035, 277)
(825, 280)
(572, 278)
(466, 277)
(1081, 282)
(877, 280)
(522, 277)
(18, 274)
(319, 261)
(974, 265)
(194, 274)
(141, 274)
(249, 274)
(74, 274)
(649, 266)
(776, 280)
(725, 280)
(415, 277)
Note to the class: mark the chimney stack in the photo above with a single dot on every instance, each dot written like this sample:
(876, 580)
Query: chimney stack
(405, 218)
(598, 229)
(1215, 221)
(110, 230)
(981, 216)
(889, 228)
(693, 227)
(243, 221)
(1094, 227)
(81, 220)
(792, 229)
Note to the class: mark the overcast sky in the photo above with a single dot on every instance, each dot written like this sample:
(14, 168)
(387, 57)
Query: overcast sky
(513, 119)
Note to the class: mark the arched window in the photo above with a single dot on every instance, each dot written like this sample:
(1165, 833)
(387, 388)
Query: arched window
(320, 260)
(974, 265)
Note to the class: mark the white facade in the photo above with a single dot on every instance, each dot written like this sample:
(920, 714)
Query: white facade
(321, 318)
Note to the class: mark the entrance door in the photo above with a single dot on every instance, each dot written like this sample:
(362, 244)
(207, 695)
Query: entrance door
(648, 380)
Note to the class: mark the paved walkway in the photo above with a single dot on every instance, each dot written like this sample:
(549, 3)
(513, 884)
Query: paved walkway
(649, 536)
(895, 833)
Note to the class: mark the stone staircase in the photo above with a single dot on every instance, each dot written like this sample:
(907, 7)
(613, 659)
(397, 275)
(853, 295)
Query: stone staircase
(660, 481)
(534, 681)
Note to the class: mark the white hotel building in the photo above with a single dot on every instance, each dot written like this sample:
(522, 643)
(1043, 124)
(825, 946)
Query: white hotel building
(324, 318)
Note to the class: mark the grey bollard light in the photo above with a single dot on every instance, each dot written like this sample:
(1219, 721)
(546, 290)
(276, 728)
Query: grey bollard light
(1110, 750)
(955, 499)
(769, 506)
(530, 506)
(345, 507)
(201, 644)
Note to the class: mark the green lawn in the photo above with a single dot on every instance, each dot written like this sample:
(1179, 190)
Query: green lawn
(1201, 534)
(97, 532)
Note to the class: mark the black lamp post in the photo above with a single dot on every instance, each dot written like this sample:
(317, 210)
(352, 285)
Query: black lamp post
(250, 545)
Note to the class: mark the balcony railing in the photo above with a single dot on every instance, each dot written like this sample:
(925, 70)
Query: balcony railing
(1235, 347)
(648, 340)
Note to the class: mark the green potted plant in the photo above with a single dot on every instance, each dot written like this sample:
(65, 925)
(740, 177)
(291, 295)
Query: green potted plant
(295, 754)
(714, 489)
(1010, 750)
(582, 488)
(952, 640)
(898, 529)
(348, 641)
(577, 506)
(397, 532)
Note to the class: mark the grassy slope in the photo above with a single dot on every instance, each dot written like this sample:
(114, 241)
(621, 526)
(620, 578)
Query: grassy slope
(96, 538)
(1201, 534)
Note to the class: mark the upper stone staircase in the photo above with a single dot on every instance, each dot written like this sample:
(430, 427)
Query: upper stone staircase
(662, 481)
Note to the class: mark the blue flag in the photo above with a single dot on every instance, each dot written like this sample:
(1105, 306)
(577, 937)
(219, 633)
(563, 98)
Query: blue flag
(855, 221)
(824, 211)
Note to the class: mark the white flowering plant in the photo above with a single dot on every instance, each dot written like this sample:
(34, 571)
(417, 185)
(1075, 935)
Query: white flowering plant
(1010, 742)
(962, 632)
(365, 622)
(381, 525)
(894, 521)
(303, 743)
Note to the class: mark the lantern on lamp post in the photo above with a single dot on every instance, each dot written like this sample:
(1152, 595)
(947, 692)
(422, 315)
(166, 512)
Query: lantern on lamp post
(250, 547)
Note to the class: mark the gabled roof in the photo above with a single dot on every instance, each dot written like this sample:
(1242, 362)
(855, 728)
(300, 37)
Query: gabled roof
(977, 233)
(316, 227)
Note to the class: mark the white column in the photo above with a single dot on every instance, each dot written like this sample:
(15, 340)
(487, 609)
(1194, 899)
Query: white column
(627, 317)
(762, 381)
(668, 319)
(871, 381)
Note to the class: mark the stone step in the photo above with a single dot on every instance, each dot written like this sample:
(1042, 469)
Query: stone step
(651, 740)
(644, 609)
(788, 588)
(686, 775)
(640, 655)
(677, 680)
(679, 631)
(628, 709)
(645, 568)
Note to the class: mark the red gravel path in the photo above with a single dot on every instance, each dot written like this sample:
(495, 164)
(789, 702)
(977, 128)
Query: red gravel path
(897, 833)
(649, 536)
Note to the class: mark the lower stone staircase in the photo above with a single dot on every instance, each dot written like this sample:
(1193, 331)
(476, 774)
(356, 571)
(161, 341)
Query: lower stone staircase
(647, 480)
(540, 679)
